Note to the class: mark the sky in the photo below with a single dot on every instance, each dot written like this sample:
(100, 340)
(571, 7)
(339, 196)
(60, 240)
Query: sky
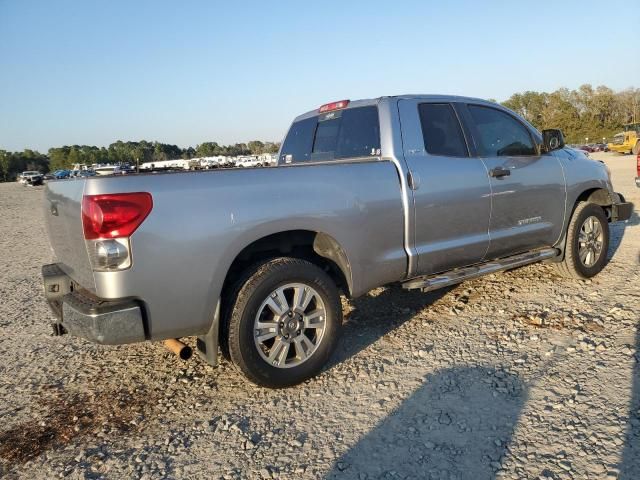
(93, 72)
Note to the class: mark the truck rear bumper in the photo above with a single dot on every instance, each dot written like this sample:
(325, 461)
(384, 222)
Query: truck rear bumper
(108, 322)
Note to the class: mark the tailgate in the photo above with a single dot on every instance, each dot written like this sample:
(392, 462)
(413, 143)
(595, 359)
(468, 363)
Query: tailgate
(63, 219)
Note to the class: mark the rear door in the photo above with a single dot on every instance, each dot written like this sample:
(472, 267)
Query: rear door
(527, 188)
(450, 187)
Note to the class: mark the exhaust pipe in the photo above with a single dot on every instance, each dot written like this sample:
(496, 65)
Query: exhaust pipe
(178, 348)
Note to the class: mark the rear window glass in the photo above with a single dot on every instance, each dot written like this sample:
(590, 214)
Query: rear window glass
(341, 134)
(299, 140)
(441, 130)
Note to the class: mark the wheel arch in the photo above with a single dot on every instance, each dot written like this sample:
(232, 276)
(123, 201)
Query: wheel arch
(594, 194)
(599, 196)
(317, 247)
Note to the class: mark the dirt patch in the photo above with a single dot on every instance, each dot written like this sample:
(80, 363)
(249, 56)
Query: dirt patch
(69, 417)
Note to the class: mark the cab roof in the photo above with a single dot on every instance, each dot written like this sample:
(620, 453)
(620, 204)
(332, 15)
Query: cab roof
(375, 101)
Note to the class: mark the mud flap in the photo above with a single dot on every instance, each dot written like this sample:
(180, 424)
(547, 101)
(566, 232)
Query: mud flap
(207, 344)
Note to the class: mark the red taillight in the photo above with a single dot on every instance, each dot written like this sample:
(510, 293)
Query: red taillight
(638, 164)
(328, 107)
(114, 215)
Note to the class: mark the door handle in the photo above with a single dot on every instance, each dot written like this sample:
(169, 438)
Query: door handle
(499, 172)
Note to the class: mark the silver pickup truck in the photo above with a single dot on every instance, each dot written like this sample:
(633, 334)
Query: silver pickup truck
(423, 190)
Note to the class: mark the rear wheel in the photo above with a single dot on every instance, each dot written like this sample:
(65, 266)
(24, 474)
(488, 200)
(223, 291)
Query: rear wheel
(587, 242)
(284, 323)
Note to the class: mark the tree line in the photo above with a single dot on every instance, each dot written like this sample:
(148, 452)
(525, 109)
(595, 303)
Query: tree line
(12, 163)
(586, 112)
(593, 113)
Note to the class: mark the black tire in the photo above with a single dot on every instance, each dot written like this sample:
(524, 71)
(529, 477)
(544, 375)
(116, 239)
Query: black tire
(572, 266)
(255, 286)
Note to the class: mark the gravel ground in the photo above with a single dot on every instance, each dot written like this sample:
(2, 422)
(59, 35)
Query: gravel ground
(516, 375)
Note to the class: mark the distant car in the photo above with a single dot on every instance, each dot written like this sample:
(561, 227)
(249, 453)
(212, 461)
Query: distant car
(599, 147)
(30, 177)
(580, 150)
(22, 177)
(108, 170)
(586, 148)
(86, 173)
(60, 174)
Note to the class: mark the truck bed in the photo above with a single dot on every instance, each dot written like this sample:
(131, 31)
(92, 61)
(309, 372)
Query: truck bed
(202, 220)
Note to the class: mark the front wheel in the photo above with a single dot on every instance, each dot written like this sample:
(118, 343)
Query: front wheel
(587, 242)
(284, 323)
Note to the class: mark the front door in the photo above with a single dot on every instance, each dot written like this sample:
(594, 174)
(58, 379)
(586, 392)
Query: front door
(451, 190)
(527, 188)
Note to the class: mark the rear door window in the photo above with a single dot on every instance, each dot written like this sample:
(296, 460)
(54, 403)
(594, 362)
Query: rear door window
(299, 140)
(341, 134)
(499, 134)
(441, 130)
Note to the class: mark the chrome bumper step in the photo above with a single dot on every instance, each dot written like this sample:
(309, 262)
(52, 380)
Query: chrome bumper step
(433, 282)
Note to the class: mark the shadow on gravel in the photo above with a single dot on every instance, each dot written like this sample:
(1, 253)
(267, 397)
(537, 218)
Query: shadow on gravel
(630, 463)
(457, 425)
(617, 231)
(373, 317)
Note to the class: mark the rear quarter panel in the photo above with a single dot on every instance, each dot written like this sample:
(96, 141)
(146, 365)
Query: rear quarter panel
(201, 221)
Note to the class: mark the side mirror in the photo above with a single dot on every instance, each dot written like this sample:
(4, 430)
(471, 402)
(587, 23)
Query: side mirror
(552, 139)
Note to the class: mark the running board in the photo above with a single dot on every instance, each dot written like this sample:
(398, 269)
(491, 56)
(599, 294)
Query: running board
(433, 282)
